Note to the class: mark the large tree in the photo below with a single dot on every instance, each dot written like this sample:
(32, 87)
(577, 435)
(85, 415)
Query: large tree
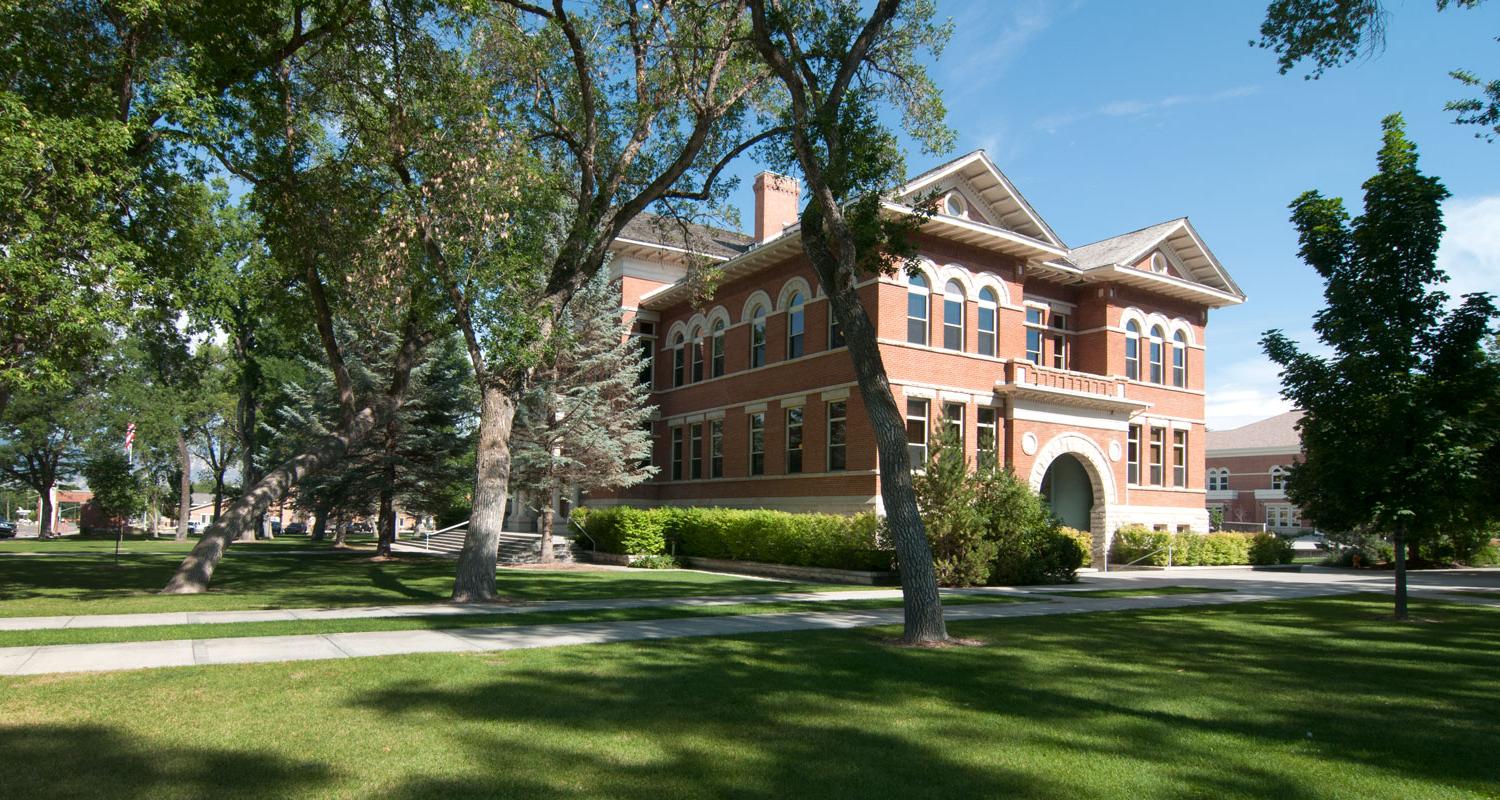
(1331, 33)
(1395, 427)
(842, 70)
(42, 435)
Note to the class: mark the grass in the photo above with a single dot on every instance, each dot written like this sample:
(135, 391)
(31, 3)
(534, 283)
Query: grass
(93, 584)
(145, 544)
(1225, 702)
(151, 633)
(1142, 592)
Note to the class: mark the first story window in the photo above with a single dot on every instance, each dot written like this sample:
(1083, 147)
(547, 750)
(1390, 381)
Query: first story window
(1281, 517)
(676, 454)
(695, 450)
(838, 433)
(986, 430)
(1179, 458)
(1133, 455)
(716, 449)
(758, 443)
(794, 440)
(916, 433)
(1158, 455)
(953, 418)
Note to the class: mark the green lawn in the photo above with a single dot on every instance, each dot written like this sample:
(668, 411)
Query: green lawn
(1310, 699)
(93, 584)
(1141, 592)
(151, 633)
(147, 544)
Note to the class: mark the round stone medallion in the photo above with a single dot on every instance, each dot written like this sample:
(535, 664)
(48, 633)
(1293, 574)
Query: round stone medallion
(1028, 444)
(1114, 451)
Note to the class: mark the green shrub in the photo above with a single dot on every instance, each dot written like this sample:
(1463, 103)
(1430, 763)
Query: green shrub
(1030, 545)
(623, 529)
(655, 562)
(1085, 542)
(1487, 556)
(963, 551)
(1132, 543)
(773, 537)
(1268, 548)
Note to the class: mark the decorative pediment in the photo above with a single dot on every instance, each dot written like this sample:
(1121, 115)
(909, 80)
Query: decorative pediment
(974, 189)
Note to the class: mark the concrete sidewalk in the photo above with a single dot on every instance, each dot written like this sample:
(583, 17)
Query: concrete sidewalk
(190, 652)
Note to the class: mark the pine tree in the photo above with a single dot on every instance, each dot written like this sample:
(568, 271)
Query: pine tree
(582, 424)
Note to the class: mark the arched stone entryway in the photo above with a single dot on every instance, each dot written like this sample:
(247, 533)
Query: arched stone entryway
(1078, 458)
(1067, 488)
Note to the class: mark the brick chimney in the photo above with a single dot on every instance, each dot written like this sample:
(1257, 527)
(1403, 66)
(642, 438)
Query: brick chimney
(775, 204)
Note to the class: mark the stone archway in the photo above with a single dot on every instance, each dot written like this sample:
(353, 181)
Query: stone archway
(1068, 489)
(1085, 454)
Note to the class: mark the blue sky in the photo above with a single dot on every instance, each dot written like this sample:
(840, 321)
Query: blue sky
(1111, 116)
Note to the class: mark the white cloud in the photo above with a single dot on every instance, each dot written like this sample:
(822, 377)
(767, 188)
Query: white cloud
(1244, 392)
(1470, 252)
(1137, 108)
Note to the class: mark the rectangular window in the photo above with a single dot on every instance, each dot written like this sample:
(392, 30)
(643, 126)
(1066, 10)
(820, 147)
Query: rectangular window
(838, 432)
(794, 323)
(1155, 360)
(1158, 455)
(718, 359)
(916, 433)
(986, 429)
(1179, 458)
(986, 330)
(794, 440)
(758, 342)
(647, 344)
(1059, 351)
(679, 365)
(1035, 319)
(716, 449)
(695, 450)
(758, 444)
(953, 322)
(835, 333)
(1133, 455)
(676, 454)
(697, 345)
(916, 315)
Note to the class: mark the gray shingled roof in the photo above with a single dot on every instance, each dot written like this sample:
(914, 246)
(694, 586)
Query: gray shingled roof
(1116, 249)
(704, 239)
(1278, 431)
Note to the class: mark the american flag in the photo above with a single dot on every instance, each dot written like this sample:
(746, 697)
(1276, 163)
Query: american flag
(129, 436)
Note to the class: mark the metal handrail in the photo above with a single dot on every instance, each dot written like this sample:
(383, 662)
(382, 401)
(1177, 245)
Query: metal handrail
(1168, 548)
(427, 535)
(593, 545)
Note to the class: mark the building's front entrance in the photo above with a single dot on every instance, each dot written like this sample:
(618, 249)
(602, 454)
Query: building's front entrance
(1068, 490)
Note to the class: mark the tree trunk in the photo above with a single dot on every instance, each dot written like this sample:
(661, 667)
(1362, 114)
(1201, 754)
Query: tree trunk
(320, 523)
(195, 572)
(246, 411)
(340, 530)
(44, 525)
(475, 579)
(218, 495)
(184, 488)
(545, 526)
(387, 519)
(1398, 540)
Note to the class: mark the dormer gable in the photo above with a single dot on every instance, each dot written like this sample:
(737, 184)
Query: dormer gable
(972, 188)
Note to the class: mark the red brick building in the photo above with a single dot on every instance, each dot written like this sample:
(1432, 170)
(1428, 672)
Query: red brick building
(1246, 472)
(1080, 368)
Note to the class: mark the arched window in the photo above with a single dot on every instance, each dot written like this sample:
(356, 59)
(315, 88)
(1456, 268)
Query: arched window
(989, 306)
(1132, 351)
(953, 316)
(697, 346)
(1218, 479)
(916, 309)
(1278, 478)
(718, 348)
(795, 320)
(758, 337)
(955, 205)
(1179, 360)
(679, 361)
(1159, 263)
(1157, 342)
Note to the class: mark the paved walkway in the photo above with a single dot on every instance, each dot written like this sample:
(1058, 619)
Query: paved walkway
(1247, 586)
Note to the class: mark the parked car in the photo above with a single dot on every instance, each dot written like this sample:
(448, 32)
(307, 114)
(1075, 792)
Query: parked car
(363, 528)
(7, 528)
(275, 527)
(194, 528)
(295, 529)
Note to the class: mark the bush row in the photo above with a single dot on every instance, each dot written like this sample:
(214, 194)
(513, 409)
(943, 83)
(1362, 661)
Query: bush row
(1139, 544)
(769, 537)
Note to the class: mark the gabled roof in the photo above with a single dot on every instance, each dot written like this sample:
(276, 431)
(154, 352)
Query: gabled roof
(1006, 207)
(1127, 248)
(1278, 432)
(1178, 235)
(657, 231)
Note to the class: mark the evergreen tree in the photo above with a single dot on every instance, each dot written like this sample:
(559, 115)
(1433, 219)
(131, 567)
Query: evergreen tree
(1396, 427)
(582, 424)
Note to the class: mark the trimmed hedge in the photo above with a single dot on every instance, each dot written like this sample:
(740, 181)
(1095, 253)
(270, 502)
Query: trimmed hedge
(770, 537)
(1192, 549)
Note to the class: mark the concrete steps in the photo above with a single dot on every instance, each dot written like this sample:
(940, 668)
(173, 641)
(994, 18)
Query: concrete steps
(515, 547)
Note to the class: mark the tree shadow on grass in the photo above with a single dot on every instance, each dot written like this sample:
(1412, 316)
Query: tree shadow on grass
(86, 761)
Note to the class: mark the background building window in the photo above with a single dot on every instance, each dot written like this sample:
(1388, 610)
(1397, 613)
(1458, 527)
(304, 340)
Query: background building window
(718, 348)
(794, 440)
(916, 433)
(953, 317)
(1278, 478)
(1179, 458)
(1158, 455)
(676, 454)
(1133, 455)
(1179, 360)
(758, 443)
(758, 337)
(1156, 346)
(989, 308)
(1132, 351)
(987, 438)
(916, 309)
(795, 322)
(716, 449)
(695, 450)
(1218, 479)
(838, 433)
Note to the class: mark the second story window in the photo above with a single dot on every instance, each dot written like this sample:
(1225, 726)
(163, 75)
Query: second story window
(1218, 479)
(1036, 319)
(697, 346)
(645, 338)
(989, 307)
(916, 309)
(758, 337)
(794, 440)
(838, 432)
(718, 348)
(1132, 350)
(916, 433)
(1179, 360)
(795, 322)
(679, 361)
(953, 316)
(1278, 478)
(835, 333)
(758, 443)
(1157, 343)
(1059, 341)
